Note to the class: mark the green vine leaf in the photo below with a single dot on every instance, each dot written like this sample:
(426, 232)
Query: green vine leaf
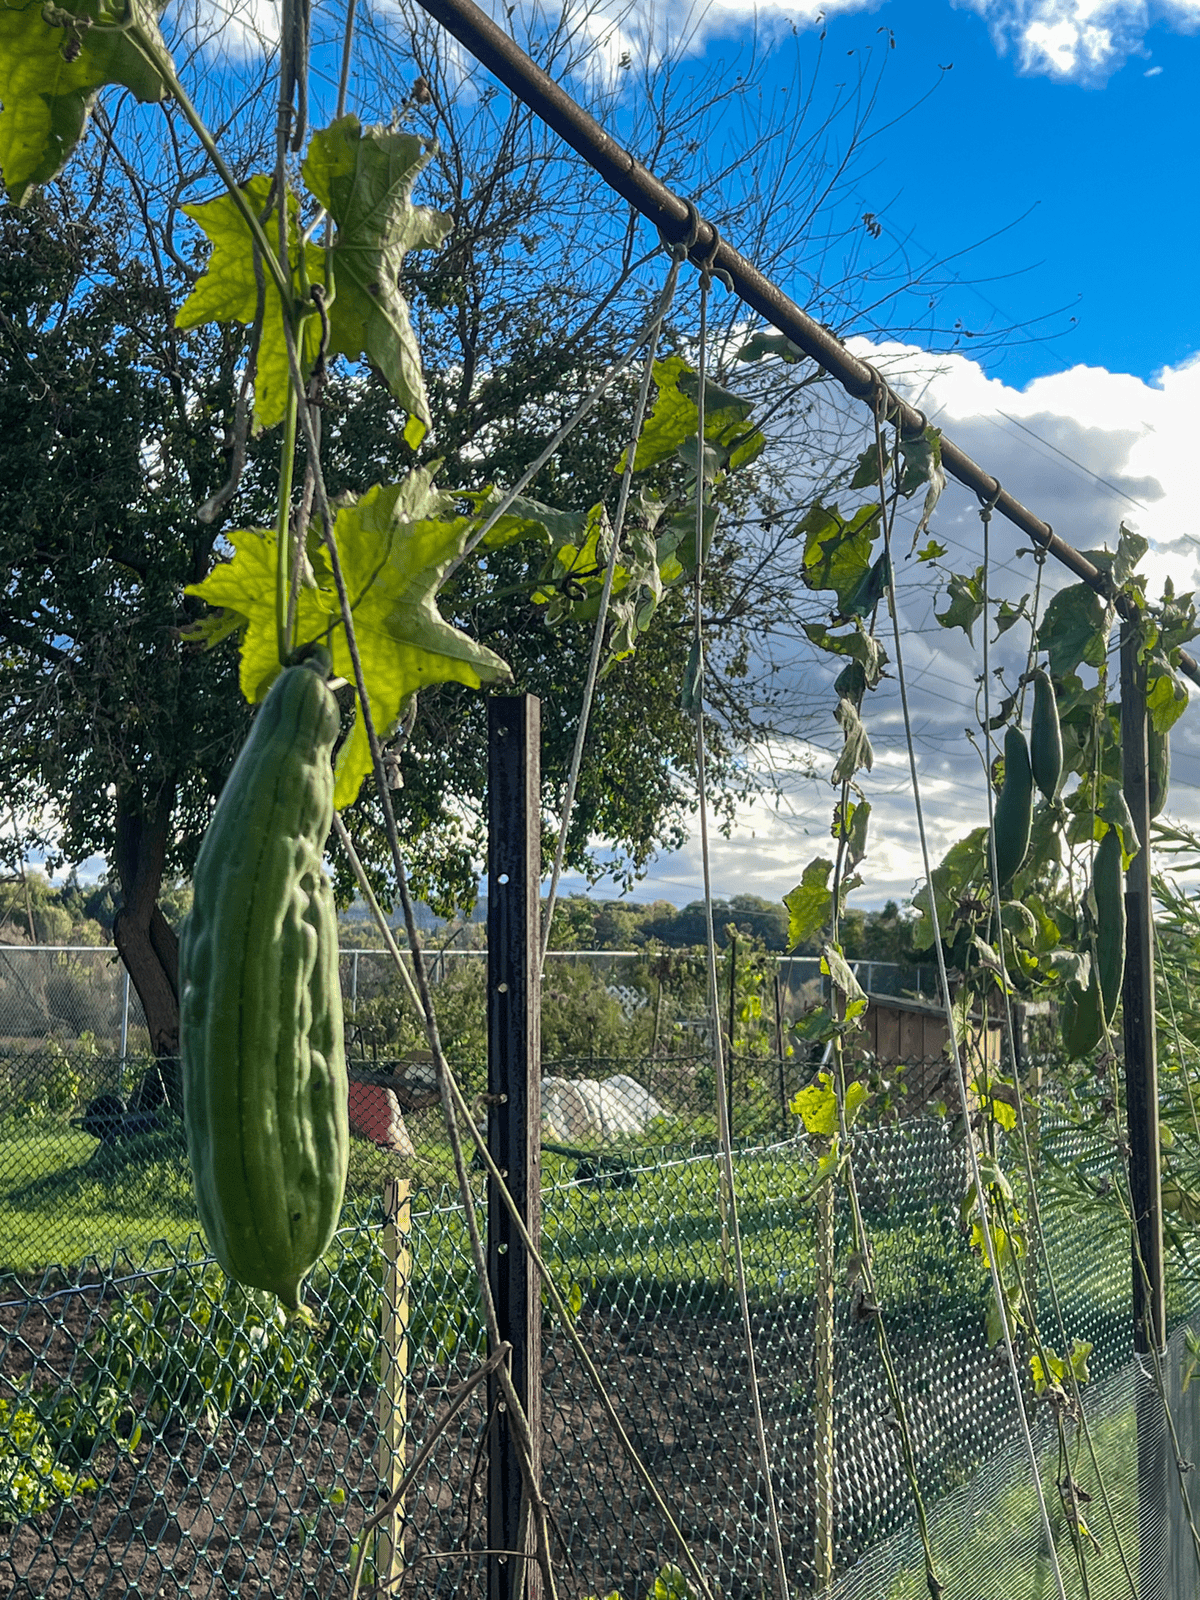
(228, 290)
(1112, 811)
(670, 429)
(50, 75)
(1081, 1349)
(527, 519)
(1008, 615)
(817, 1106)
(857, 755)
(922, 458)
(1177, 622)
(808, 904)
(843, 981)
(933, 551)
(872, 588)
(364, 178)
(671, 1584)
(762, 345)
(837, 551)
(966, 602)
(872, 465)
(1074, 629)
(1120, 564)
(962, 870)
(395, 544)
(852, 826)
(581, 549)
(1166, 701)
(859, 645)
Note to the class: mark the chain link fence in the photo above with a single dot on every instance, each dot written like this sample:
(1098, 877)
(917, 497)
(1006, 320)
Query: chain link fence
(164, 1432)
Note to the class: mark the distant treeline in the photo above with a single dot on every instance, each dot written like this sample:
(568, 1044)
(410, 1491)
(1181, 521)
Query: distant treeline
(32, 910)
(582, 923)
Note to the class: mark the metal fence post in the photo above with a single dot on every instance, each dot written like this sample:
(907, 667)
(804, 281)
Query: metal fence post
(1141, 1091)
(514, 1109)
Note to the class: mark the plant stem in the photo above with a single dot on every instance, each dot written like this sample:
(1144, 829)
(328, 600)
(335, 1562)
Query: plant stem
(283, 562)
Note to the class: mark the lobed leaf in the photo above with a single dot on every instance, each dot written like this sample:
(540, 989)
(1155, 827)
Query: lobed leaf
(52, 70)
(229, 289)
(808, 904)
(364, 178)
(395, 545)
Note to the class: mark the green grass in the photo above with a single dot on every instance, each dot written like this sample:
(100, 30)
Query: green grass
(987, 1539)
(657, 1243)
(66, 1199)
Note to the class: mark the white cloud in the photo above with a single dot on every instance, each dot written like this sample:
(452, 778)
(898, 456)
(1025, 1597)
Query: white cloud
(236, 29)
(1084, 41)
(1077, 448)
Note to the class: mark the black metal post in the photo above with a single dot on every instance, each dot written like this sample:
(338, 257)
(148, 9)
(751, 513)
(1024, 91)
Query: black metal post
(1137, 996)
(514, 1107)
(783, 1099)
(1141, 1099)
(732, 1026)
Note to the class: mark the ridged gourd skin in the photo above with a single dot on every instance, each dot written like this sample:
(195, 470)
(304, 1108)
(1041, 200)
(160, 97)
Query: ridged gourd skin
(1013, 816)
(1108, 887)
(261, 1041)
(1045, 737)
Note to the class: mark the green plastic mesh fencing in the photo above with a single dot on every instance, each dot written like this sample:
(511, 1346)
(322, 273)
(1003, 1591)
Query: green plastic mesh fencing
(162, 1432)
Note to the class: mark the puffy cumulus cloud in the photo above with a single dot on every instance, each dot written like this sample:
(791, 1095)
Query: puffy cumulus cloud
(1083, 41)
(1086, 448)
(1079, 448)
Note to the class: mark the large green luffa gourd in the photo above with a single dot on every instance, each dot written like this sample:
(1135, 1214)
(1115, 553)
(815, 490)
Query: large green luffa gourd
(264, 1072)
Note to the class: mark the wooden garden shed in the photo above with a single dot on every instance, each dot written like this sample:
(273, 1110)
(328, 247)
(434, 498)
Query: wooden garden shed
(913, 1033)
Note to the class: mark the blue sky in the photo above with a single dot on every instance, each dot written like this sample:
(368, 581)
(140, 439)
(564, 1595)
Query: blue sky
(1059, 145)
(1052, 165)
(1088, 167)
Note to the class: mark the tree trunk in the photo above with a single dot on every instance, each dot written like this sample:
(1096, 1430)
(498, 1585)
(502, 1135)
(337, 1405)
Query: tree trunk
(146, 941)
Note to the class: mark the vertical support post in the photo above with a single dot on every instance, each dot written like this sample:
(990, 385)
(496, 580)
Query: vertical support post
(1137, 996)
(823, 1389)
(514, 1110)
(783, 1099)
(354, 983)
(391, 1405)
(1141, 1099)
(732, 1027)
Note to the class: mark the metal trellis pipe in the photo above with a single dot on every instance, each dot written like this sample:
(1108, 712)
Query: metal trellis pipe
(504, 58)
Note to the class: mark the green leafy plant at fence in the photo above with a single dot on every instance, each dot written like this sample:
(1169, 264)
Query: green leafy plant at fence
(54, 1089)
(670, 1584)
(195, 1348)
(1028, 908)
(31, 1477)
(203, 1348)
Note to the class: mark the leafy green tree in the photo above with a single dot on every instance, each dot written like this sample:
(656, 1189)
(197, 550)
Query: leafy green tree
(105, 450)
(118, 427)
